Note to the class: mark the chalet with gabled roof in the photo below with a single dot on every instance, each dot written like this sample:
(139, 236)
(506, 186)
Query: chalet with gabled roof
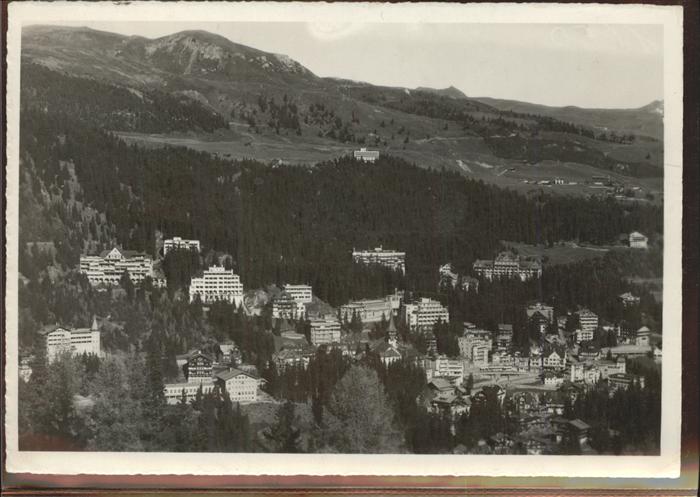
(199, 366)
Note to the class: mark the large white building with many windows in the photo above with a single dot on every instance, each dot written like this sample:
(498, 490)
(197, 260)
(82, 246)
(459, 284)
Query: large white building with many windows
(216, 284)
(240, 386)
(109, 266)
(74, 341)
(444, 367)
(508, 265)
(179, 243)
(423, 315)
(324, 331)
(300, 293)
(174, 392)
(389, 258)
(366, 155)
(588, 321)
(469, 343)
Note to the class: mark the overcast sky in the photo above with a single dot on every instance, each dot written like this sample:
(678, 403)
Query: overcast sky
(601, 66)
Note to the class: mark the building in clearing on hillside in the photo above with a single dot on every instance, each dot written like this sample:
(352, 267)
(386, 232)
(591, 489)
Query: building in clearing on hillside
(74, 341)
(366, 155)
(217, 284)
(628, 299)
(638, 241)
(109, 266)
(179, 243)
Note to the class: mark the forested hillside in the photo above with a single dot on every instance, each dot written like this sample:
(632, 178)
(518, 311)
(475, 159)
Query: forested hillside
(114, 107)
(296, 224)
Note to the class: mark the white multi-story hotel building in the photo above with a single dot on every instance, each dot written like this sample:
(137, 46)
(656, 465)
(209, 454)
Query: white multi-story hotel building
(468, 343)
(60, 340)
(588, 320)
(325, 331)
(388, 258)
(217, 283)
(240, 386)
(366, 155)
(480, 355)
(508, 265)
(108, 267)
(173, 391)
(179, 243)
(628, 299)
(584, 335)
(445, 368)
(300, 293)
(424, 314)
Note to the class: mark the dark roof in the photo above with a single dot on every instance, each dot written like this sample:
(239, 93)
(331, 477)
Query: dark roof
(537, 315)
(227, 375)
(392, 326)
(441, 383)
(390, 352)
(549, 348)
(125, 253)
(589, 347)
(579, 424)
(198, 354)
(45, 330)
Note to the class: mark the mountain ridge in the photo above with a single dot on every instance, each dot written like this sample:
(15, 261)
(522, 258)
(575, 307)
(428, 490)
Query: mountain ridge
(450, 91)
(274, 101)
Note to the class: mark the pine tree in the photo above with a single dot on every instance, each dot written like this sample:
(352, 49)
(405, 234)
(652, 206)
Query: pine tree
(283, 433)
(361, 427)
(128, 286)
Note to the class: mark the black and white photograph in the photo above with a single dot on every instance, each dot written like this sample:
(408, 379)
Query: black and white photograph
(345, 233)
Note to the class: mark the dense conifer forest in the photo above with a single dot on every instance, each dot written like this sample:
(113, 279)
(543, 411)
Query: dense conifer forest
(296, 224)
(112, 107)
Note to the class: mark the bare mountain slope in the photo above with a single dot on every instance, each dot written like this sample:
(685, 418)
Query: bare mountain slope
(262, 102)
(647, 120)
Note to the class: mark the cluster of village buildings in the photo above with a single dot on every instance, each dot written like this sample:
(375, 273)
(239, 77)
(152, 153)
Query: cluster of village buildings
(563, 362)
